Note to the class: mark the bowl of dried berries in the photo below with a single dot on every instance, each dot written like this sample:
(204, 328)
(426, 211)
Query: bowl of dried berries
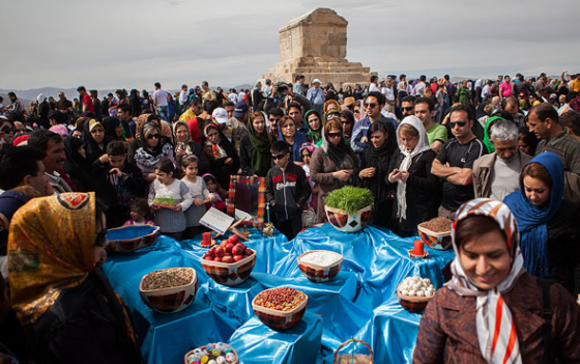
(280, 308)
(436, 233)
(320, 265)
(169, 290)
(230, 263)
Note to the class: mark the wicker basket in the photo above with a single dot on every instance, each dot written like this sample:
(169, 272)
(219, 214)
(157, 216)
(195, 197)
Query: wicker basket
(237, 361)
(353, 358)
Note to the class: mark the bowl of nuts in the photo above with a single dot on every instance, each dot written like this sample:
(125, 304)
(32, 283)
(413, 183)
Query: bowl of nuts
(436, 233)
(132, 237)
(230, 263)
(169, 290)
(414, 293)
(320, 265)
(280, 308)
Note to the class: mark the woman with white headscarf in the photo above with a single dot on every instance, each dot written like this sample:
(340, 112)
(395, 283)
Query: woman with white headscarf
(493, 311)
(418, 190)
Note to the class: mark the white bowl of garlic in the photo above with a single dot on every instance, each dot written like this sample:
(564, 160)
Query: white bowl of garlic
(414, 293)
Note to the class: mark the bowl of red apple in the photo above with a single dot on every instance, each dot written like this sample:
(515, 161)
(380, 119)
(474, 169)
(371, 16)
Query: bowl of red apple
(229, 263)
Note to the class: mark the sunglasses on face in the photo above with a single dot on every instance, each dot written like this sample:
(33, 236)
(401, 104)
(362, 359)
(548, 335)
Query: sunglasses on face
(279, 156)
(334, 135)
(273, 119)
(371, 105)
(408, 108)
(153, 136)
(460, 123)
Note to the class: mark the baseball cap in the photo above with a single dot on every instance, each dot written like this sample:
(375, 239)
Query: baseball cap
(221, 115)
(240, 110)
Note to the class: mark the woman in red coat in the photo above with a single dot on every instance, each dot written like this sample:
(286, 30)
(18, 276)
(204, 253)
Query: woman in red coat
(491, 310)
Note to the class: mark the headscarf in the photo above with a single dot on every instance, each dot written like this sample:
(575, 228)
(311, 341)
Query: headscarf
(496, 331)
(147, 129)
(40, 98)
(59, 129)
(92, 148)
(314, 135)
(50, 248)
(338, 153)
(217, 150)
(532, 220)
(110, 123)
(387, 149)
(164, 128)
(182, 145)
(331, 101)
(486, 132)
(261, 156)
(422, 146)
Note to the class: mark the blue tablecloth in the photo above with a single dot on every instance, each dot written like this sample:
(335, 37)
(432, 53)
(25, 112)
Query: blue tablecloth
(360, 302)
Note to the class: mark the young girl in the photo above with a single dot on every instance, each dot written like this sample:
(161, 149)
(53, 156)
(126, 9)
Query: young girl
(139, 211)
(306, 153)
(200, 193)
(169, 198)
(214, 189)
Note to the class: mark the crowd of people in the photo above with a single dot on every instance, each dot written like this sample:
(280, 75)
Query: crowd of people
(425, 148)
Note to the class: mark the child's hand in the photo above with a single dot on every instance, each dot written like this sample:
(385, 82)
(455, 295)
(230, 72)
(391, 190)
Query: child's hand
(177, 207)
(212, 197)
(116, 171)
(229, 161)
(180, 151)
(198, 201)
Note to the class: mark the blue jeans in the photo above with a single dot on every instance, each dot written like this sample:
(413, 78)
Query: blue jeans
(163, 112)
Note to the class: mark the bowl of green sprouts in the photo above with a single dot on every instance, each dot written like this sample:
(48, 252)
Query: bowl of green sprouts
(349, 208)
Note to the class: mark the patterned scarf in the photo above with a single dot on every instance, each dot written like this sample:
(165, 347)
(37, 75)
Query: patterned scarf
(496, 330)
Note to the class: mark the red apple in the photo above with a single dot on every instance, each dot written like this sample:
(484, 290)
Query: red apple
(219, 252)
(237, 250)
(224, 243)
(229, 247)
(237, 258)
(217, 259)
(248, 252)
(234, 239)
(211, 250)
(228, 259)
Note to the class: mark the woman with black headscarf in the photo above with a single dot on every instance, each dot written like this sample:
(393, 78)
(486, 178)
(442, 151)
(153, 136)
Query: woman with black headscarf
(95, 141)
(135, 103)
(333, 164)
(374, 166)
(113, 128)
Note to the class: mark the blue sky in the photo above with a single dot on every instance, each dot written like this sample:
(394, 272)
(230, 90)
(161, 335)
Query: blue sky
(129, 43)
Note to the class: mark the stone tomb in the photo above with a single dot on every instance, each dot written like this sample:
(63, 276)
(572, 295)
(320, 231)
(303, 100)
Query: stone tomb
(314, 45)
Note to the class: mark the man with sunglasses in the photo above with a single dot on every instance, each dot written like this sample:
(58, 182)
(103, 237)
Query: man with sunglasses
(374, 103)
(407, 106)
(274, 116)
(454, 162)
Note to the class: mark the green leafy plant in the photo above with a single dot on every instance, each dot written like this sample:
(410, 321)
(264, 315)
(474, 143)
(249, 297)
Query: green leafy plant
(350, 199)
